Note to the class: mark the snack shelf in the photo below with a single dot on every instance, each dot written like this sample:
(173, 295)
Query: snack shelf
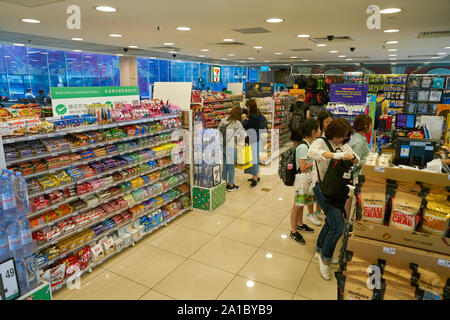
(96, 176)
(94, 145)
(65, 254)
(85, 128)
(217, 101)
(99, 262)
(86, 227)
(83, 196)
(37, 174)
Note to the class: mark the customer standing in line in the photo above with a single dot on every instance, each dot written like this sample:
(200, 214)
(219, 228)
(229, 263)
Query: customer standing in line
(338, 134)
(324, 118)
(310, 131)
(255, 124)
(298, 113)
(362, 126)
(231, 130)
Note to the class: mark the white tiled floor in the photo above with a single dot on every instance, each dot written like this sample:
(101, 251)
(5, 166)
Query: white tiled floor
(241, 251)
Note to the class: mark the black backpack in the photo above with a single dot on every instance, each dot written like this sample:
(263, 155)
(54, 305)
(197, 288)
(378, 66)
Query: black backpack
(334, 185)
(298, 117)
(287, 158)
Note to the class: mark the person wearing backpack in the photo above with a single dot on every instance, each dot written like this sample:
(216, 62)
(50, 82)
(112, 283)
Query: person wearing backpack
(303, 164)
(231, 130)
(382, 108)
(298, 112)
(334, 159)
(254, 125)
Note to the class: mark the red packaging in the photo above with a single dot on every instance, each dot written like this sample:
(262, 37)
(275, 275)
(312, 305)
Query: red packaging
(84, 256)
(72, 265)
(40, 203)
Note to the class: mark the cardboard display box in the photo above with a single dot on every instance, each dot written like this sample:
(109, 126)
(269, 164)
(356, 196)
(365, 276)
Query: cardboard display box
(407, 175)
(399, 256)
(417, 240)
(209, 199)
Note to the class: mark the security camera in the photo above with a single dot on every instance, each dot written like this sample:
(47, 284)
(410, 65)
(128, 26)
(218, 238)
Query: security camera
(330, 38)
(352, 49)
(174, 55)
(125, 49)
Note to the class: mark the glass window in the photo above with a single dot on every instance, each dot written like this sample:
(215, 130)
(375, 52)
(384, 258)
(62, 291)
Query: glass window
(153, 71)
(75, 69)
(142, 67)
(164, 71)
(188, 72)
(57, 68)
(16, 60)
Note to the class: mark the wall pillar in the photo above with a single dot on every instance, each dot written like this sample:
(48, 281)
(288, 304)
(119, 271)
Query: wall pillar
(128, 71)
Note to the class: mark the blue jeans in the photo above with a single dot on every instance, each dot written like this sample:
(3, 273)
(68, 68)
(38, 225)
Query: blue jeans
(253, 170)
(331, 230)
(228, 168)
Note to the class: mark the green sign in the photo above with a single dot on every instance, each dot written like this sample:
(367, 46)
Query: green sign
(92, 92)
(43, 292)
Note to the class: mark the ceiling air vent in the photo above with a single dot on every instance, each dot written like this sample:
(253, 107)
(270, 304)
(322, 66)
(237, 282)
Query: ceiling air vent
(252, 30)
(229, 44)
(335, 39)
(421, 56)
(360, 57)
(166, 48)
(301, 49)
(433, 34)
(31, 3)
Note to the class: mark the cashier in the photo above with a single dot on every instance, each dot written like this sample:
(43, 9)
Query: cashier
(29, 94)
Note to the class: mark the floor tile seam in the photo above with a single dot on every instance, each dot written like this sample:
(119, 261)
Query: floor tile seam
(265, 224)
(163, 294)
(125, 277)
(168, 274)
(303, 277)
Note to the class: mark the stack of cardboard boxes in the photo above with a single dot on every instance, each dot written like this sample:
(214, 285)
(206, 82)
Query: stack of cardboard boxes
(390, 263)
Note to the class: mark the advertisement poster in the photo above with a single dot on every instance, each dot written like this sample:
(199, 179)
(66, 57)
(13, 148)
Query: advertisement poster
(215, 73)
(348, 93)
(69, 101)
(258, 90)
(300, 93)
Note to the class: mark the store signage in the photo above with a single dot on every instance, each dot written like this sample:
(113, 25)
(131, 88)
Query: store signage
(216, 175)
(297, 92)
(264, 68)
(215, 74)
(258, 90)
(70, 101)
(9, 285)
(349, 93)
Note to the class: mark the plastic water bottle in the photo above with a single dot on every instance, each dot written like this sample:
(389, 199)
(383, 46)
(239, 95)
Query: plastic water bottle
(21, 191)
(5, 253)
(8, 199)
(11, 176)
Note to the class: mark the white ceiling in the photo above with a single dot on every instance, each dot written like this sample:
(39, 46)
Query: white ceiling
(213, 20)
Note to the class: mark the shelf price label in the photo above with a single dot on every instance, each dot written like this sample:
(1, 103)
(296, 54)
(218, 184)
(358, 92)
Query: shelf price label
(9, 285)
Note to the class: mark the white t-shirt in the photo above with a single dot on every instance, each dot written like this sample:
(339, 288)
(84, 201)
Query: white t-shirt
(318, 148)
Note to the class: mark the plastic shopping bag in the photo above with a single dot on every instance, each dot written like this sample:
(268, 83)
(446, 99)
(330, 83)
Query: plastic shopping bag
(303, 186)
(244, 157)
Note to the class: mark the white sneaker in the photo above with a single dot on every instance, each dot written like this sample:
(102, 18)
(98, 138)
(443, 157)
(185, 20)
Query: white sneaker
(324, 270)
(320, 215)
(312, 218)
(316, 255)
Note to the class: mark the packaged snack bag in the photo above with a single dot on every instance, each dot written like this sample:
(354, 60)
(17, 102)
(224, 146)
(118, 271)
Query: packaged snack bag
(405, 210)
(435, 286)
(436, 216)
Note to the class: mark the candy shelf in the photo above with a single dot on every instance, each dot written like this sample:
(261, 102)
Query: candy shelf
(101, 261)
(87, 226)
(94, 145)
(101, 202)
(67, 253)
(8, 140)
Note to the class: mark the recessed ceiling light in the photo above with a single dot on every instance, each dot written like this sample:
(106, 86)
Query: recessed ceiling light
(349, 59)
(305, 60)
(266, 60)
(394, 63)
(105, 9)
(115, 35)
(393, 55)
(172, 52)
(269, 255)
(241, 61)
(274, 20)
(77, 39)
(169, 43)
(250, 284)
(231, 54)
(342, 56)
(278, 53)
(77, 50)
(294, 57)
(223, 59)
(333, 51)
(18, 44)
(392, 50)
(391, 30)
(434, 57)
(31, 21)
(201, 56)
(204, 50)
(390, 10)
(392, 58)
(442, 53)
(321, 45)
(257, 47)
(303, 36)
(446, 47)
(251, 58)
(392, 42)
(183, 28)
(228, 40)
(133, 47)
(427, 62)
(119, 55)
